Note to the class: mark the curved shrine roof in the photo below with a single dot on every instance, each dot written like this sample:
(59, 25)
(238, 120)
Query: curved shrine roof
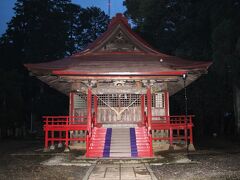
(107, 63)
(119, 52)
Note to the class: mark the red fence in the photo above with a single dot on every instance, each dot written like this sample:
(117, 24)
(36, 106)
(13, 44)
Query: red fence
(57, 128)
(179, 127)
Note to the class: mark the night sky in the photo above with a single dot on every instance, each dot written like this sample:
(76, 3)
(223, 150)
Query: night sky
(6, 11)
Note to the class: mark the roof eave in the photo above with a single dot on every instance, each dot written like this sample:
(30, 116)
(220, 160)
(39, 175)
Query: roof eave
(77, 73)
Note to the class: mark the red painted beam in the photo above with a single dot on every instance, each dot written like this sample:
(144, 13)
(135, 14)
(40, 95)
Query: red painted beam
(78, 73)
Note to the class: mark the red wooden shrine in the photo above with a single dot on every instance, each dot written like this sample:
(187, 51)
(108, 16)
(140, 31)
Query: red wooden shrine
(119, 90)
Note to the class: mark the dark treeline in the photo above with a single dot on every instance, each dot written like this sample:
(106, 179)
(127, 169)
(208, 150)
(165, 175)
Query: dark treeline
(45, 30)
(198, 30)
(40, 31)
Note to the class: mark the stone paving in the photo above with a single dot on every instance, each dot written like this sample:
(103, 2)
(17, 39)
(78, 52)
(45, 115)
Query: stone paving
(120, 172)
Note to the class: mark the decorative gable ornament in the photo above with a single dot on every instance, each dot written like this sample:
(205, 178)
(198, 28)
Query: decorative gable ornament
(119, 43)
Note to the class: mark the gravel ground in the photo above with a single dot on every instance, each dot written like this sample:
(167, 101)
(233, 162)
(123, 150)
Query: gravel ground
(22, 160)
(205, 165)
(215, 159)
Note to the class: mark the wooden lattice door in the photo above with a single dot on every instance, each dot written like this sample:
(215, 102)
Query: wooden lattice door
(119, 108)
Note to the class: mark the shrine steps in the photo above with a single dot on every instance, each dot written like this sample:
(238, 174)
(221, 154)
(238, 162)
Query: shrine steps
(119, 142)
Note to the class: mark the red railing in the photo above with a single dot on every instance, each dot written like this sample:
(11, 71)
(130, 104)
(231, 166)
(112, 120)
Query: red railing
(57, 129)
(181, 119)
(179, 127)
(61, 120)
(149, 132)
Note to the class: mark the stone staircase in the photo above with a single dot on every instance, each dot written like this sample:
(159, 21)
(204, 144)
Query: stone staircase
(119, 142)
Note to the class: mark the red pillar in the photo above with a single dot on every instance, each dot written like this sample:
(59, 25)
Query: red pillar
(71, 104)
(143, 109)
(166, 105)
(95, 109)
(149, 107)
(89, 119)
(166, 100)
(89, 108)
(149, 116)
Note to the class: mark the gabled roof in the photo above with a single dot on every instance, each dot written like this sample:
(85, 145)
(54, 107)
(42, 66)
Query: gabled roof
(119, 52)
(118, 38)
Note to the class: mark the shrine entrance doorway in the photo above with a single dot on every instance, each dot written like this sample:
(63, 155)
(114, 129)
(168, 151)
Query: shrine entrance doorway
(119, 108)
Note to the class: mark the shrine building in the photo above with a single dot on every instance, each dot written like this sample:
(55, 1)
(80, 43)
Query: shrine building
(118, 89)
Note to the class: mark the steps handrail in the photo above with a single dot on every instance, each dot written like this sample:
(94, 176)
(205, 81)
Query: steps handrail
(149, 133)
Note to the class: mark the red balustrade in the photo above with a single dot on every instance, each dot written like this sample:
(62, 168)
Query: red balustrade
(179, 127)
(57, 128)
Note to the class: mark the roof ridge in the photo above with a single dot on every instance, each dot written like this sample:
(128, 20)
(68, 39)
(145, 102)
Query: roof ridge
(122, 21)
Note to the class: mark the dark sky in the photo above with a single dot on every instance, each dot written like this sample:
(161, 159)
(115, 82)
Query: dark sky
(6, 11)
